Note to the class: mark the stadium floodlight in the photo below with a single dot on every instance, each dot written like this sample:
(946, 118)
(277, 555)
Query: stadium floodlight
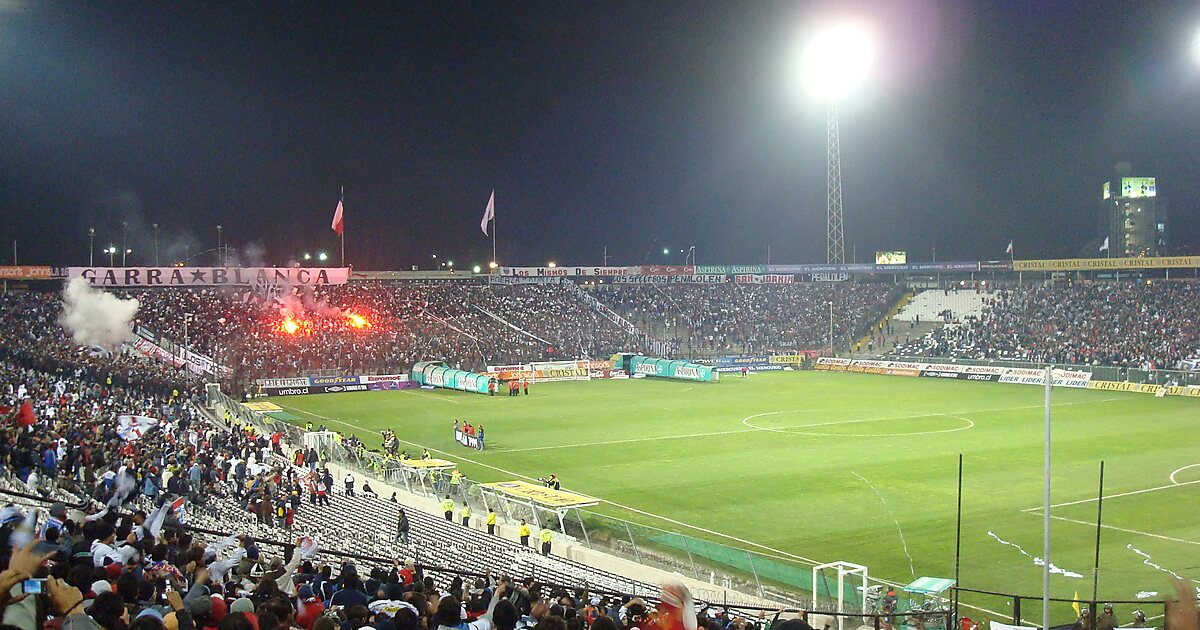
(832, 64)
(551, 264)
(493, 265)
(1196, 47)
(307, 256)
(450, 263)
(322, 256)
(836, 60)
(475, 269)
(666, 251)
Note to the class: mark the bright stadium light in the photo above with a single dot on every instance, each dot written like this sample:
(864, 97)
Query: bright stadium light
(449, 263)
(836, 60)
(666, 251)
(475, 269)
(307, 256)
(830, 65)
(322, 256)
(551, 264)
(492, 265)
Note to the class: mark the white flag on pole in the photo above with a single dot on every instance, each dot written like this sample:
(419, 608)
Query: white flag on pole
(489, 213)
(1009, 250)
(1104, 247)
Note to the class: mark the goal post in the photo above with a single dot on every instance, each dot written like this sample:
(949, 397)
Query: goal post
(845, 585)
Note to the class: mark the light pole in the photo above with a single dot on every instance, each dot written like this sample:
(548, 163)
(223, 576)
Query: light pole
(834, 62)
(91, 246)
(124, 228)
(112, 251)
(219, 263)
(155, 226)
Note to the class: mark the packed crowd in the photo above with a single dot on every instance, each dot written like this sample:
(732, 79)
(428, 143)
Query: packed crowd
(467, 324)
(1142, 325)
(124, 562)
(752, 318)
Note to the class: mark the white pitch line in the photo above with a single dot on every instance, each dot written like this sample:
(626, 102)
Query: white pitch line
(1113, 496)
(1128, 531)
(612, 503)
(787, 428)
(1179, 470)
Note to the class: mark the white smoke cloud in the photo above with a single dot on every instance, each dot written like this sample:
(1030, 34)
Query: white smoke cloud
(96, 318)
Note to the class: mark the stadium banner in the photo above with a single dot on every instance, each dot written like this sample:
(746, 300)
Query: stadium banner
(668, 270)
(560, 371)
(750, 368)
(565, 272)
(26, 272)
(731, 269)
(793, 358)
(541, 495)
(391, 385)
(825, 277)
(666, 368)
(739, 361)
(832, 364)
(961, 375)
(332, 380)
(692, 279)
(282, 382)
(286, 391)
(945, 267)
(151, 344)
(1191, 391)
(1059, 378)
(1088, 264)
(469, 441)
(150, 277)
(377, 378)
(770, 278)
(1191, 365)
(511, 280)
(337, 389)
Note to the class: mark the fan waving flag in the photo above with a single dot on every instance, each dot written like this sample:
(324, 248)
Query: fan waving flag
(337, 218)
(489, 213)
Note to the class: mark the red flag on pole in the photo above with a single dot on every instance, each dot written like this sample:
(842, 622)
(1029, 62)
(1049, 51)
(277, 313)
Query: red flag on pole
(337, 218)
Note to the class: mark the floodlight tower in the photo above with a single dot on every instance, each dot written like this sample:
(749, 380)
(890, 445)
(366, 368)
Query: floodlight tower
(835, 61)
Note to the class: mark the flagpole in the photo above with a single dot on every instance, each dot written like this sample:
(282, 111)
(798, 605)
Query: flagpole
(342, 234)
(494, 229)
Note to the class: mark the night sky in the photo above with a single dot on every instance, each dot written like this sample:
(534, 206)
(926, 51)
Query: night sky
(631, 125)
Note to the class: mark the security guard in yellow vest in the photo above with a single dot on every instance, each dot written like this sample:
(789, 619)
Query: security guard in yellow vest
(456, 478)
(547, 537)
(491, 522)
(523, 531)
(466, 514)
(448, 508)
(308, 425)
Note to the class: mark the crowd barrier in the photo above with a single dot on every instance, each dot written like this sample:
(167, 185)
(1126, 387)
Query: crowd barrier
(1175, 382)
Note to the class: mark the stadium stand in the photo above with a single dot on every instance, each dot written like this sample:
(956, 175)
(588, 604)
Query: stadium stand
(1143, 325)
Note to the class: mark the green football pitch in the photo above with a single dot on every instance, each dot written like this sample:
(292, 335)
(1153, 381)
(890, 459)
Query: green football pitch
(862, 468)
